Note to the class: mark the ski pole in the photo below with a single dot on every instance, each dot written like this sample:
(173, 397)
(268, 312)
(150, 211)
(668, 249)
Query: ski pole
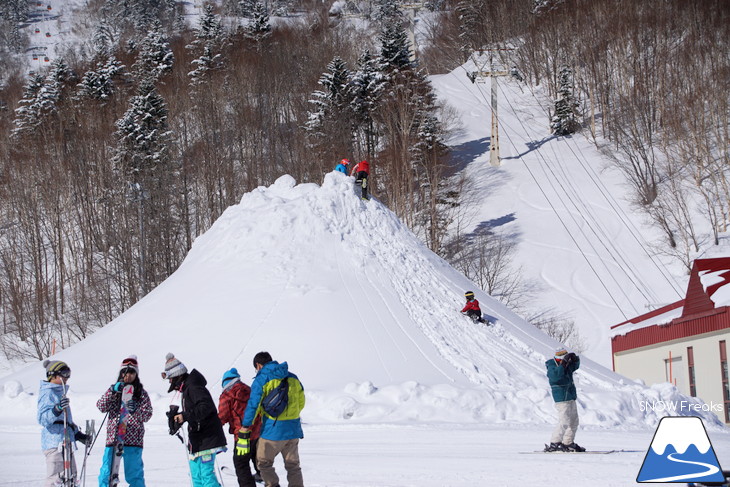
(87, 452)
(68, 479)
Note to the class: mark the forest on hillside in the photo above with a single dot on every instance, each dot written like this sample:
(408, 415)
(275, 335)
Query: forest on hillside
(135, 140)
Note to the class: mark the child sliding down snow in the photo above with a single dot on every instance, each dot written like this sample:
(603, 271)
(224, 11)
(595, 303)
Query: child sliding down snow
(472, 309)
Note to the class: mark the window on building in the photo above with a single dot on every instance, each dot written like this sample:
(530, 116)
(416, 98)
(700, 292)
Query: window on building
(691, 370)
(725, 381)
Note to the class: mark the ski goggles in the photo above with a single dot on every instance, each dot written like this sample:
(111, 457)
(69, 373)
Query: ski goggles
(65, 373)
(128, 370)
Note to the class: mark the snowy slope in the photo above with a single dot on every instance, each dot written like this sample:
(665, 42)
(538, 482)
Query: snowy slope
(580, 240)
(364, 313)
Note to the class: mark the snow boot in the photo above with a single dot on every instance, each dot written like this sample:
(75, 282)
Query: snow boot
(555, 447)
(574, 447)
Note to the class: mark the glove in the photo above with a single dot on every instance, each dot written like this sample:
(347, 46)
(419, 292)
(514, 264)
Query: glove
(118, 387)
(62, 404)
(569, 359)
(243, 444)
(171, 424)
(132, 406)
(83, 438)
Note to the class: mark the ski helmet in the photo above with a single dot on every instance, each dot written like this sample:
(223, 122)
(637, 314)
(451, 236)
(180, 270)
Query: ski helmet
(469, 295)
(345, 162)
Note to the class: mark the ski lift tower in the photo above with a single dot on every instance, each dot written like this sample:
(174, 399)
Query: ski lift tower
(484, 61)
(412, 8)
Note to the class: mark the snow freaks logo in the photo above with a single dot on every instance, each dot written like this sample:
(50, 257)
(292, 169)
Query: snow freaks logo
(680, 452)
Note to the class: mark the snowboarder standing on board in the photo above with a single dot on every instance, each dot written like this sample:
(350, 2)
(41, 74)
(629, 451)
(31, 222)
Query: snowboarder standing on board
(472, 309)
(342, 166)
(560, 371)
(231, 406)
(205, 433)
(139, 411)
(361, 171)
(54, 414)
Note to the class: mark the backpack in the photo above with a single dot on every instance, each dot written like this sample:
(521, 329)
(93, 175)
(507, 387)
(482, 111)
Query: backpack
(277, 399)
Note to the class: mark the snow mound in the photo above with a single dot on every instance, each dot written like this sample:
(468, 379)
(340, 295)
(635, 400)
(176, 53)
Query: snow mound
(364, 314)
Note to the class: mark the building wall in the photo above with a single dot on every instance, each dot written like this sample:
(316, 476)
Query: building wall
(650, 364)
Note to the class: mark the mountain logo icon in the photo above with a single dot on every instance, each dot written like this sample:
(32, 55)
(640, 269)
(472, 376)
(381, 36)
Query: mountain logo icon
(680, 452)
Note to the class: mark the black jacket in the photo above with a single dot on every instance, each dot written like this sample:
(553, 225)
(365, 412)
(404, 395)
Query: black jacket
(198, 409)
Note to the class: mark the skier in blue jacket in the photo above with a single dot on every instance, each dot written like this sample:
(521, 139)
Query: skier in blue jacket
(282, 433)
(560, 371)
(53, 412)
(342, 166)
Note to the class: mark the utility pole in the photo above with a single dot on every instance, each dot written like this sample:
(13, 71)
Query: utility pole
(479, 76)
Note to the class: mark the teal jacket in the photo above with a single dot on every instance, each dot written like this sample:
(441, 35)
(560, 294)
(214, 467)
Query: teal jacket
(561, 380)
(287, 426)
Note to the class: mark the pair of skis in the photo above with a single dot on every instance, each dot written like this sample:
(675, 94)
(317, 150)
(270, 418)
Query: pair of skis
(118, 449)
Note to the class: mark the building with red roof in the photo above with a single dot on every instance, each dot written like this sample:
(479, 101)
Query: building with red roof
(684, 343)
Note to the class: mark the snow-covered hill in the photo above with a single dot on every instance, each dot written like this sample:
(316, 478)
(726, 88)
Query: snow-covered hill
(364, 313)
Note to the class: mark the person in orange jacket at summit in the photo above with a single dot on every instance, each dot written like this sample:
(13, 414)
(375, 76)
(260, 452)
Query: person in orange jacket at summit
(472, 309)
(361, 171)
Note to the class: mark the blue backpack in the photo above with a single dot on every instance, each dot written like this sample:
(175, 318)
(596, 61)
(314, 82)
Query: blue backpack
(277, 399)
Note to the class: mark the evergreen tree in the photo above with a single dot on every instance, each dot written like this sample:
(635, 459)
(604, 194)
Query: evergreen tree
(565, 118)
(28, 114)
(13, 13)
(155, 56)
(98, 83)
(143, 134)
(366, 88)
(259, 28)
(329, 125)
(208, 39)
(395, 53)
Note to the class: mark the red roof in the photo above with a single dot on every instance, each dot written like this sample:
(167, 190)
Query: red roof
(699, 314)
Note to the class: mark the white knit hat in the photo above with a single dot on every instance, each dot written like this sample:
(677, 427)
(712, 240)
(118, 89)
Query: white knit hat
(173, 367)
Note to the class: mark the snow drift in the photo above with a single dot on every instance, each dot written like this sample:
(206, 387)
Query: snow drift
(364, 313)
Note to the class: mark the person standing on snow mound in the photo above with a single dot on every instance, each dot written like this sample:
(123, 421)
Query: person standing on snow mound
(205, 433)
(342, 166)
(279, 434)
(139, 409)
(54, 414)
(231, 406)
(472, 309)
(560, 371)
(361, 171)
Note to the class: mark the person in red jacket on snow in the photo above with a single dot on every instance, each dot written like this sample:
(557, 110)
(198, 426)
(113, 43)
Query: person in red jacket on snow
(472, 309)
(361, 171)
(231, 405)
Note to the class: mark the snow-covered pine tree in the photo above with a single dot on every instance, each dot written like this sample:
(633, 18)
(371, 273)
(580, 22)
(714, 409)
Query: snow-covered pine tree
(565, 118)
(143, 134)
(98, 83)
(329, 125)
(366, 87)
(208, 41)
(28, 113)
(259, 28)
(155, 58)
(395, 53)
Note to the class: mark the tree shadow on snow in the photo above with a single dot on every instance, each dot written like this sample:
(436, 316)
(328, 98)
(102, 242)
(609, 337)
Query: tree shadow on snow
(463, 154)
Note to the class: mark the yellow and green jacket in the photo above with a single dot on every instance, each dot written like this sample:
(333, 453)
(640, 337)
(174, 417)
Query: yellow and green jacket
(287, 426)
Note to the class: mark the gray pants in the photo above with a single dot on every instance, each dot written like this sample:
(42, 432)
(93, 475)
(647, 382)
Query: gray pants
(266, 451)
(54, 467)
(567, 422)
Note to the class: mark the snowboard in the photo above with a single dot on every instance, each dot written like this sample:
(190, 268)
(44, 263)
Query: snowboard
(587, 452)
(118, 450)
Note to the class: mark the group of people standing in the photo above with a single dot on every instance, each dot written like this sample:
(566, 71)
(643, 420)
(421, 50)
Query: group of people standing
(258, 437)
(361, 172)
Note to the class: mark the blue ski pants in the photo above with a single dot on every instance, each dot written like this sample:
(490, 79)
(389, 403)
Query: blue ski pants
(133, 466)
(202, 470)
